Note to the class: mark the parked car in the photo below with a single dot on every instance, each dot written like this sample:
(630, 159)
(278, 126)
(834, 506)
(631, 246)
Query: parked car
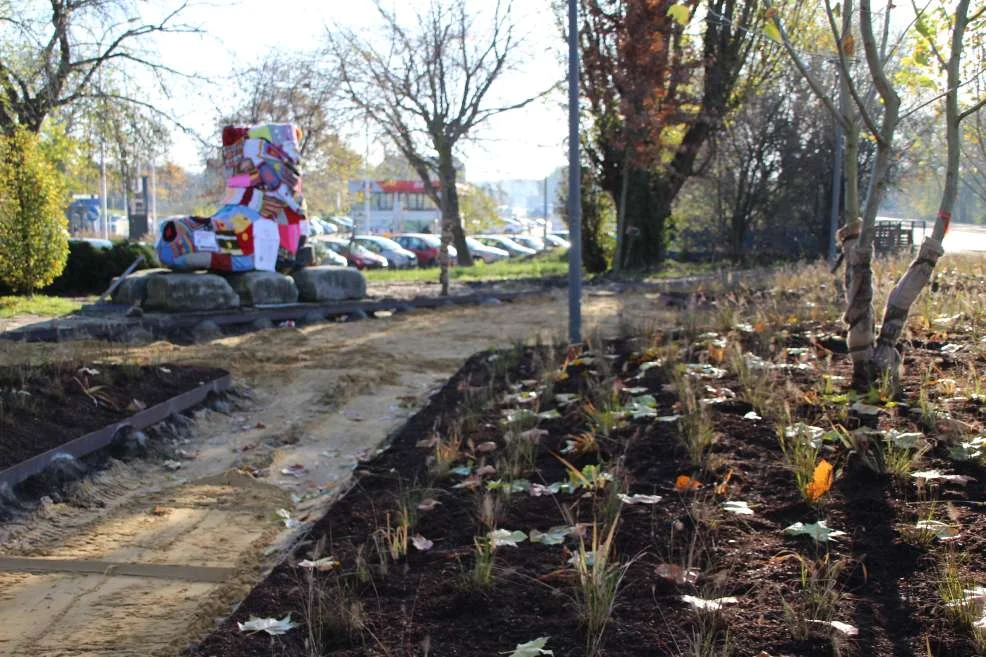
(358, 256)
(507, 244)
(530, 242)
(426, 247)
(322, 227)
(325, 255)
(553, 241)
(487, 254)
(397, 256)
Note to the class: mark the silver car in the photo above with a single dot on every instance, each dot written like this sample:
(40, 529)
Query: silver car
(397, 256)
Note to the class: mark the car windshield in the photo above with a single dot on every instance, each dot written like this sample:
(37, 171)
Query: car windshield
(430, 240)
(384, 243)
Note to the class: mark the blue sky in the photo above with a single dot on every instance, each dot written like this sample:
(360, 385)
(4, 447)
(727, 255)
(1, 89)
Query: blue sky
(526, 143)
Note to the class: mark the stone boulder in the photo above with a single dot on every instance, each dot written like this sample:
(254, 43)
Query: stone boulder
(261, 288)
(326, 283)
(133, 289)
(174, 292)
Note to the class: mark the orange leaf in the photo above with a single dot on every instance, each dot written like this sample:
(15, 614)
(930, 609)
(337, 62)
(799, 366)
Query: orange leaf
(724, 484)
(821, 481)
(848, 45)
(684, 482)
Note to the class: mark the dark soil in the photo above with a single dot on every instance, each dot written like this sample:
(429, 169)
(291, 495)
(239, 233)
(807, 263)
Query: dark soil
(885, 577)
(44, 407)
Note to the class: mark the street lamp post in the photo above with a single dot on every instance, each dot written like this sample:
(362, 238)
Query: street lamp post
(574, 181)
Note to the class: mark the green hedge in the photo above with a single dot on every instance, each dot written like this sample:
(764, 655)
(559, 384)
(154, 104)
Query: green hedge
(89, 270)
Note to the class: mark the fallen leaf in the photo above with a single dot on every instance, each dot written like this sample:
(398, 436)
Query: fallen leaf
(470, 482)
(819, 531)
(637, 498)
(821, 481)
(427, 443)
(934, 475)
(506, 537)
(724, 484)
(271, 626)
(554, 536)
(708, 605)
(531, 648)
(845, 628)
(428, 504)
(486, 447)
(294, 470)
(941, 530)
(160, 511)
(324, 564)
(752, 415)
(677, 574)
(485, 470)
(421, 543)
(684, 482)
(738, 507)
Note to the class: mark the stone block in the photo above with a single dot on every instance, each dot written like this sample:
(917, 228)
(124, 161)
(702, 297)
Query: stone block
(260, 288)
(174, 292)
(326, 283)
(133, 289)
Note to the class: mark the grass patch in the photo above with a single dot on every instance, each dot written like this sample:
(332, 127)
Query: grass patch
(39, 304)
(535, 267)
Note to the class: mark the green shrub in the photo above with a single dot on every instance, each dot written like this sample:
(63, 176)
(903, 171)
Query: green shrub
(33, 228)
(90, 270)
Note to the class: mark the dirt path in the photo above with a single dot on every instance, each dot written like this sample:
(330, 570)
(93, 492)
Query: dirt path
(323, 395)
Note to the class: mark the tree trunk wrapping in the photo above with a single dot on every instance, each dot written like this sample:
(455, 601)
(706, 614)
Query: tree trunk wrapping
(859, 301)
(899, 303)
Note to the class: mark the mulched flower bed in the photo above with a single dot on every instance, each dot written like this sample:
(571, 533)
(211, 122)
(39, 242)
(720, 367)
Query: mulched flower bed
(712, 567)
(42, 407)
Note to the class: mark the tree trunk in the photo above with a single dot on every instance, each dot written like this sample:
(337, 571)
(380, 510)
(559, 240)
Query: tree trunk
(450, 209)
(886, 358)
(647, 211)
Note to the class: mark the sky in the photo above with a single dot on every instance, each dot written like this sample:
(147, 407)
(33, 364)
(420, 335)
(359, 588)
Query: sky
(525, 143)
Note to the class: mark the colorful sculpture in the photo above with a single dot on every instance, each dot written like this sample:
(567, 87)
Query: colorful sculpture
(262, 223)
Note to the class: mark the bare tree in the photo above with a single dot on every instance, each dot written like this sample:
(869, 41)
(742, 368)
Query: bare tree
(52, 58)
(427, 88)
(875, 356)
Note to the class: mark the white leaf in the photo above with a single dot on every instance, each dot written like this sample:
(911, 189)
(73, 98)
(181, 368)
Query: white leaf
(637, 498)
(531, 648)
(271, 626)
(554, 536)
(323, 564)
(941, 530)
(845, 628)
(550, 414)
(421, 543)
(738, 507)
(752, 415)
(934, 475)
(428, 503)
(708, 605)
(503, 537)
(818, 531)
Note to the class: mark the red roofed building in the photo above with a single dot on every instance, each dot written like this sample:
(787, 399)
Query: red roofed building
(395, 206)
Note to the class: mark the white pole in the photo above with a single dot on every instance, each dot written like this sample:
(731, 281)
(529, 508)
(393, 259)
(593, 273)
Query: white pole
(152, 201)
(574, 181)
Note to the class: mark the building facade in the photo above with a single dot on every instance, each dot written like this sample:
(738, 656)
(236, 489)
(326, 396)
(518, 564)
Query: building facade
(393, 206)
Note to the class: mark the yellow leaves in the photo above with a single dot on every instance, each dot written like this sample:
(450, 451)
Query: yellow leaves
(684, 482)
(679, 14)
(771, 30)
(821, 481)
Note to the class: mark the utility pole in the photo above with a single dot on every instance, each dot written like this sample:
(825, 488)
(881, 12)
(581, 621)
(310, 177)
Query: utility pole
(546, 207)
(574, 180)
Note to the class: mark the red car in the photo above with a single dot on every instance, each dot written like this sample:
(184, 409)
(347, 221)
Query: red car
(425, 246)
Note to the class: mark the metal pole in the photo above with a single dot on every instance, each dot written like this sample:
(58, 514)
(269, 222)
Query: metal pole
(103, 211)
(366, 181)
(836, 180)
(574, 181)
(546, 208)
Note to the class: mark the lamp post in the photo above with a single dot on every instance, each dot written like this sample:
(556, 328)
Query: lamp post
(574, 181)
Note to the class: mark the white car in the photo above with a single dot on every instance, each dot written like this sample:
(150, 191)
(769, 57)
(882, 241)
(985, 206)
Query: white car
(507, 244)
(488, 254)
